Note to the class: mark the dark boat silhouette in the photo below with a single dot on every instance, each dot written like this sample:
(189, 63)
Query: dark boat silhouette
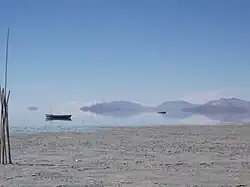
(58, 117)
(161, 112)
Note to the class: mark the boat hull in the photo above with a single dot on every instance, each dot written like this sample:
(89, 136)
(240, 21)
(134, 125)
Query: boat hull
(58, 117)
(162, 112)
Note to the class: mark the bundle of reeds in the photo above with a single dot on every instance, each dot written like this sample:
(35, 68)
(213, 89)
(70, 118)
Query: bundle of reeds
(5, 154)
(5, 157)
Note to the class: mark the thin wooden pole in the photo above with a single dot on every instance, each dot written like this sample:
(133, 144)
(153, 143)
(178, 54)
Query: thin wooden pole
(1, 117)
(6, 60)
(7, 128)
(2, 127)
(6, 99)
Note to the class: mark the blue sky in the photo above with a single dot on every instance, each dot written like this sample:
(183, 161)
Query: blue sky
(79, 51)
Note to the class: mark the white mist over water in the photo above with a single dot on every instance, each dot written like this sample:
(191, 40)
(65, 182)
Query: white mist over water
(35, 122)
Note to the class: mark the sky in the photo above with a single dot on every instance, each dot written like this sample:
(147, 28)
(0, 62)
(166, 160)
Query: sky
(71, 53)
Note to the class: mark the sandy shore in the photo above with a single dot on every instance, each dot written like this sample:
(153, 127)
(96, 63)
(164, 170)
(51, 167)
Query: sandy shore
(143, 156)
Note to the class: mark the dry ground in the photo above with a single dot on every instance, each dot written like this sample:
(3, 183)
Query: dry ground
(132, 156)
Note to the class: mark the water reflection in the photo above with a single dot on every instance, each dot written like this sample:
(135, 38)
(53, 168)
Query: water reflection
(230, 118)
(119, 114)
(177, 115)
(57, 119)
(181, 115)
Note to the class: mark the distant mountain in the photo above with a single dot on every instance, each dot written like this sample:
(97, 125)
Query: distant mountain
(229, 102)
(173, 106)
(221, 106)
(225, 106)
(131, 107)
(116, 106)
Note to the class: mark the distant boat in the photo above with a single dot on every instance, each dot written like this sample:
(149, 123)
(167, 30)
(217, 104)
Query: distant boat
(58, 117)
(161, 112)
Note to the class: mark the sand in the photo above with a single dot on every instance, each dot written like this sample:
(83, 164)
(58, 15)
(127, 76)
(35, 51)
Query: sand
(132, 156)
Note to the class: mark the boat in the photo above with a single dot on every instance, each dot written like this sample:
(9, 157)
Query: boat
(58, 117)
(162, 112)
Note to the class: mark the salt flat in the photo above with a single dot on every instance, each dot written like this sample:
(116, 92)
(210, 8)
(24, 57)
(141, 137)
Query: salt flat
(132, 156)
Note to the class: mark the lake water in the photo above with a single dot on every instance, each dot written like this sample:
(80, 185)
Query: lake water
(35, 121)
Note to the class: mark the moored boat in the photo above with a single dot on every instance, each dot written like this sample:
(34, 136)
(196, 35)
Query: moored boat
(161, 112)
(58, 116)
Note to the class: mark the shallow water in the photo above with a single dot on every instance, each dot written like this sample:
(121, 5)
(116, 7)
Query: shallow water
(32, 122)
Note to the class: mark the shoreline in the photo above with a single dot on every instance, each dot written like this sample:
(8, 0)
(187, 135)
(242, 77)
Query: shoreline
(92, 128)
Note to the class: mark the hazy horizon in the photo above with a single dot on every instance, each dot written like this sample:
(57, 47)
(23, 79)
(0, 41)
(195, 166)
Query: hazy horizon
(64, 55)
